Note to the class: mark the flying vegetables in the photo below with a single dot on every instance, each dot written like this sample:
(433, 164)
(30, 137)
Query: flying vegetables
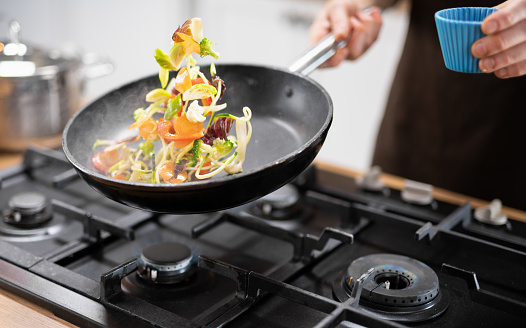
(184, 120)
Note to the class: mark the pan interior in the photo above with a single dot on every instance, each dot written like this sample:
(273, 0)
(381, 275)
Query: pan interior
(288, 112)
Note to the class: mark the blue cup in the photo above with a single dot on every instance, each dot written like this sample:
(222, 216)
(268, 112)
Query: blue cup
(458, 29)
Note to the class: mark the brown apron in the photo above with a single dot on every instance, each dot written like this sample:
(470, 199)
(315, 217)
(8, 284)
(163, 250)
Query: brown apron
(462, 132)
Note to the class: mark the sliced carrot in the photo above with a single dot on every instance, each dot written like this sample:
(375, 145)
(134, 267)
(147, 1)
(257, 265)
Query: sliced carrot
(189, 44)
(119, 176)
(182, 80)
(186, 133)
(205, 171)
(167, 174)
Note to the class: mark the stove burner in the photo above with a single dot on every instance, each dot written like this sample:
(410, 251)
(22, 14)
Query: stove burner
(198, 283)
(282, 204)
(28, 210)
(166, 263)
(402, 289)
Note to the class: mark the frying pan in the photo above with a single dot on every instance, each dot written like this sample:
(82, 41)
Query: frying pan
(291, 116)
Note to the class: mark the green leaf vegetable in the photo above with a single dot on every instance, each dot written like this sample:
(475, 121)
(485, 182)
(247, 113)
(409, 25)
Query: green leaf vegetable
(206, 48)
(174, 105)
(163, 60)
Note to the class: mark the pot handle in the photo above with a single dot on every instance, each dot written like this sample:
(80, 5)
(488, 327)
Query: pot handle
(317, 55)
(96, 65)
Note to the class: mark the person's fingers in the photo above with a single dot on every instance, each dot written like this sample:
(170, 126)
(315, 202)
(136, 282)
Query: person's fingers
(373, 23)
(356, 43)
(365, 28)
(518, 69)
(319, 28)
(503, 50)
(509, 63)
(338, 14)
(346, 22)
(334, 17)
(509, 14)
(337, 58)
(509, 57)
(499, 42)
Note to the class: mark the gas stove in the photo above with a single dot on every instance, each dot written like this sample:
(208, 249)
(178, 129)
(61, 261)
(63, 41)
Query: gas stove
(326, 250)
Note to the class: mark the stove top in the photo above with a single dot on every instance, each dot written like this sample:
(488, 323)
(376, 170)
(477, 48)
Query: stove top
(324, 251)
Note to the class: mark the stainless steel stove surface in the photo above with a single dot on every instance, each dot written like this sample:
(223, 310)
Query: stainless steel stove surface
(319, 252)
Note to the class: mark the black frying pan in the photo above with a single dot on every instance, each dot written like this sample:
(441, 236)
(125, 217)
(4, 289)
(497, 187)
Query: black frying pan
(291, 116)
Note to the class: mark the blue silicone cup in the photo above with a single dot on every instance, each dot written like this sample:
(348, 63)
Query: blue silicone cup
(458, 29)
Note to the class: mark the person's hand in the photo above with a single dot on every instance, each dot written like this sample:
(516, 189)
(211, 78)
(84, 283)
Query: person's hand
(503, 50)
(347, 22)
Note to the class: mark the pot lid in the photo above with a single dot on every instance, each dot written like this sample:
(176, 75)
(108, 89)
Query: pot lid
(19, 60)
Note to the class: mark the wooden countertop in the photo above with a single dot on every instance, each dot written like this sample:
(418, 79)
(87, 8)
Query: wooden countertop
(16, 312)
(8, 159)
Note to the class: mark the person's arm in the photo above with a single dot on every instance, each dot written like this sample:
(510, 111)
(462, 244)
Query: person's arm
(347, 21)
(503, 50)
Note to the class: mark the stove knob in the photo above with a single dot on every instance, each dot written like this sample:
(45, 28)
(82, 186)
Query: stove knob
(371, 180)
(417, 193)
(491, 214)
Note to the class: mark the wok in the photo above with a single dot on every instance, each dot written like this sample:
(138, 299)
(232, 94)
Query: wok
(291, 116)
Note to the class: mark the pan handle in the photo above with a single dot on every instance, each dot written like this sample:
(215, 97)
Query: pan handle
(317, 55)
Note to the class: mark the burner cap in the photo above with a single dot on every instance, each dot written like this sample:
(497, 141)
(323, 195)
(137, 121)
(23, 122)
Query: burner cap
(166, 262)
(398, 280)
(28, 209)
(166, 253)
(401, 289)
(281, 204)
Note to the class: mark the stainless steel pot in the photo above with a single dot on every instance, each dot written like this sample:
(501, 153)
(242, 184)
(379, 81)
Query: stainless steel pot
(40, 90)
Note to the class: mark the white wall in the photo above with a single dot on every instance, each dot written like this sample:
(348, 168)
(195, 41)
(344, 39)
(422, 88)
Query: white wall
(268, 32)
